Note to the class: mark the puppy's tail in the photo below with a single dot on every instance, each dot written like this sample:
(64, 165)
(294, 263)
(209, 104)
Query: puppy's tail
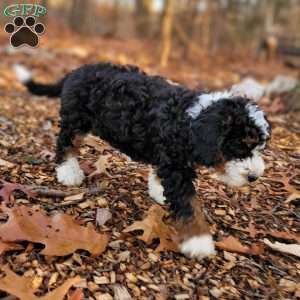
(50, 90)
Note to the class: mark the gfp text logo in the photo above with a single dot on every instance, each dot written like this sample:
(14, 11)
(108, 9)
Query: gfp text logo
(25, 29)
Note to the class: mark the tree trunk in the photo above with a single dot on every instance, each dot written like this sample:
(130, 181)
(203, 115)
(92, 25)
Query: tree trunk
(143, 17)
(269, 15)
(207, 26)
(167, 25)
(81, 16)
(189, 26)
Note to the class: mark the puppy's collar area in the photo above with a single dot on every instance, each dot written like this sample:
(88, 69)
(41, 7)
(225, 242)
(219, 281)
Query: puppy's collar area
(206, 100)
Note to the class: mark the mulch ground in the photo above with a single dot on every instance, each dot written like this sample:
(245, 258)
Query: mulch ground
(28, 128)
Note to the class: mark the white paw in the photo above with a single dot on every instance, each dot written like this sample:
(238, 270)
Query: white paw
(155, 189)
(69, 172)
(198, 246)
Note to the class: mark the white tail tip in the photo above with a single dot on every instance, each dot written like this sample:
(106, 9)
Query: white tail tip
(23, 74)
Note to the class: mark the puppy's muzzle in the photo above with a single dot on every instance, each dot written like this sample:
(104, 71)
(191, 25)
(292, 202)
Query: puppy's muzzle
(252, 178)
(242, 171)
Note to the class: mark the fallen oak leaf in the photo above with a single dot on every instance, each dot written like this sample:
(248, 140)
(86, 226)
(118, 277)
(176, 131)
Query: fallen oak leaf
(274, 233)
(101, 164)
(96, 143)
(286, 139)
(285, 235)
(77, 295)
(232, 244)
(144, 173)
(102, 216)
(287, 285)
(4, 247)
(252, 230)
(292, 197)
(75, 197)
(285, 182)
(153, 227)
(87, 167)
(59, 233)
(293, 249)
(47, 155)
(120, 292)
(20, 286)
(5, 163)
(8, 188)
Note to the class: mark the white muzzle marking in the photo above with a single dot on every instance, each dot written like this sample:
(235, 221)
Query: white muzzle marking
(237, 171)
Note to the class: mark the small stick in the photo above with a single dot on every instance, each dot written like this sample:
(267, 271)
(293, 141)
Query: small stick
(48, 192)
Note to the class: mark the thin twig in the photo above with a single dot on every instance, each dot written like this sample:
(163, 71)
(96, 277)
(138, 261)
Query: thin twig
(49, 192)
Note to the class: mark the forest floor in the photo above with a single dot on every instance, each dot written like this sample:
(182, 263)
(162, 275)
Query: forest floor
(49, 252)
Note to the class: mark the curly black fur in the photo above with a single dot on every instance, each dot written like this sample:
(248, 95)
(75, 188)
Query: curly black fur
(145, 117)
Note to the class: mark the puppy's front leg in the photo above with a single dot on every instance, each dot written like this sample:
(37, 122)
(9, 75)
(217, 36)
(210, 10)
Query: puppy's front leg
(194, 237)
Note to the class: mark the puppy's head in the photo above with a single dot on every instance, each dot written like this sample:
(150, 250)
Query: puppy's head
(243, 145)
(234, 134)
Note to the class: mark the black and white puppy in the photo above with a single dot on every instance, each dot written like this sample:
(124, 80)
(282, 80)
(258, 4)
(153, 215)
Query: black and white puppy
(173, 128)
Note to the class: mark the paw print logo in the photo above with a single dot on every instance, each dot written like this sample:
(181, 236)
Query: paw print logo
(24, 32)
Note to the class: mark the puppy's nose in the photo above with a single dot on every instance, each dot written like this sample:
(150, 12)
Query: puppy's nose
(252, 178)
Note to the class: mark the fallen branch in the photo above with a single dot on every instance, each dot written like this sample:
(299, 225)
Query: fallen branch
(33, 191)
(49, 192)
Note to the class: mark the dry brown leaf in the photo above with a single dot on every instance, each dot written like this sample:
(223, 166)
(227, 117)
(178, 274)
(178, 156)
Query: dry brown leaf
(285, 235)
(232, 244)
(87, 167)
(101, 164)
(74, 197)
(59, 233)
(102, 216)
(120, 292)
(288, 285)
(4, 247)
(292, 197)
(144, 173)
(77, 295)
(96, 143)
(285, 181)
(252, 230)
(5, 163)
(153, 227)
(21, 287)
(285, 139)
(8, 188)
(293, 249)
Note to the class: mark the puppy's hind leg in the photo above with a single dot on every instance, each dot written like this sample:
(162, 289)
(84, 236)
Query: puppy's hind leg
(68, 171)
